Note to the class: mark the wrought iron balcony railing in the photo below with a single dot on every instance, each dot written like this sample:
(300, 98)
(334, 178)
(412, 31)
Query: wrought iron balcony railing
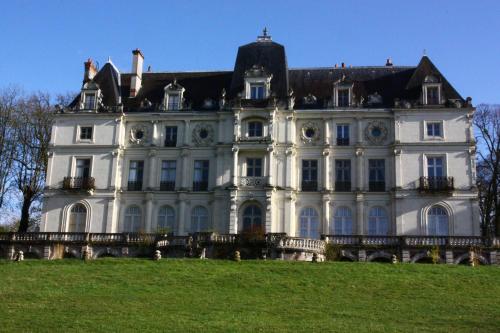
(342, 186)
(200, 186)
(309, 185)
(252, 181)
(79, 183)
(167, 186)
(342, 141)
(436, 184)
(376, 186)
(134, 186)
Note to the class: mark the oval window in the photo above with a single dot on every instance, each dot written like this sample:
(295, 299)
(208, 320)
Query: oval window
(309, 132)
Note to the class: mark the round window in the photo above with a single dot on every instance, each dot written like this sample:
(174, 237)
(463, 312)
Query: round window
(376, 132)
(203, 133)
(309, 132)
(139, 134)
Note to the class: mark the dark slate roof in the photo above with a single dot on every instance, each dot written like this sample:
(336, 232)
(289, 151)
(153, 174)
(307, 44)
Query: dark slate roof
(267, 54)
(312, 87)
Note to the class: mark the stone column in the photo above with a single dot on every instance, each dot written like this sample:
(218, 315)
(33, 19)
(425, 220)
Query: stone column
(269, 204)
(360, 203)
(326, 216)
(290, 170)
(233, 214)
(155, 139)
(182, 224)
(149, 212)
(152, 177)
(187, 133)
(398, 171)
(359, 130)
(219, 155)
(326, 170)
(113, 169)
(235, 166)
(185, 169)
(327, 132)
(270, 167)
(290, 219)
(359, 169)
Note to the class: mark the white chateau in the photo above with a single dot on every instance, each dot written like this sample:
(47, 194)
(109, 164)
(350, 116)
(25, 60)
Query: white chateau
(343, 150)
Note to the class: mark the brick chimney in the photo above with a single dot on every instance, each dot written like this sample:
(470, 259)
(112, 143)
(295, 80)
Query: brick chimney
(90, 70)
(136, 80)
(388, 62)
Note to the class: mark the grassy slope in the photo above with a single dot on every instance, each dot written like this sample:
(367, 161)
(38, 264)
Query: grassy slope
(193, 295)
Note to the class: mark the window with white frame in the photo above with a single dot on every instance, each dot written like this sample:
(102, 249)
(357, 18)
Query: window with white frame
(309, 223)
(255, 129)
(173, 102)
(378, 222)
(166, 219)
(343, 97)
(86, 133)
(199, 219)
(173, 96)
(252, 219)
(342, 221)
(431, 90)
(257, 83)
(257, 91)
(82, 168)
(254, 167)
(77, 218)
(437, 221)
(434, 129)
(435, 166)
(89, 101)
(133, 219)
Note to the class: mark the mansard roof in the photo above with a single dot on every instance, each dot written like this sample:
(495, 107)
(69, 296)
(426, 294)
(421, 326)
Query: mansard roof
(312, 87)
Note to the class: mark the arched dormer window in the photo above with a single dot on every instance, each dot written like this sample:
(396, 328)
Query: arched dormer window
(257, 83)
(431, 90)
(173, 97)
(90, 97)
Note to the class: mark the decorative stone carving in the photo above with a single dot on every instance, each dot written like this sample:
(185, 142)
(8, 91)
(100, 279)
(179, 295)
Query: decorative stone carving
(309, 132)
(376, 132)
(139, 134)
(203, 134)
(20, 256)
(157, 255)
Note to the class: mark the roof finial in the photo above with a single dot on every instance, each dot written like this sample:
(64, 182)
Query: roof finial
(425, 53)
(264, 36)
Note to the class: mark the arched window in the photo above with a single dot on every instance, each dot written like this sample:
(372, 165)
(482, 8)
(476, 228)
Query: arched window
(342, 221)
(437, 221)
(199, 219)
(254, 129)
(166, 219)
(309, 223)
(252, 218)
(133, 219)
(77, 218)
(378, 223)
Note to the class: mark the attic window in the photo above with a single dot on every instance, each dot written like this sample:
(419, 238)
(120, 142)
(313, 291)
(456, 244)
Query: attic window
(257, 83)
(431, 90)
(343, 97)
(89, 101)
(257, 91)
(173, 102)
(173, 97)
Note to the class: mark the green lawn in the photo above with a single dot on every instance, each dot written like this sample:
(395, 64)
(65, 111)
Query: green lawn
(122, 295)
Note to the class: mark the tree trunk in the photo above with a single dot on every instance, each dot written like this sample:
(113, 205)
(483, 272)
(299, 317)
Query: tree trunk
(25, 215)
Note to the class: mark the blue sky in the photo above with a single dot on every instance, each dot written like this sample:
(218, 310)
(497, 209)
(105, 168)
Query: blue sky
(46, 42)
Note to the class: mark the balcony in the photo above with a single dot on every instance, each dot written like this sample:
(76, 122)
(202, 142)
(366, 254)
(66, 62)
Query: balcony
(199, 186)
(342, 186)
(170, 143)
(167, 186)
(309, 185)
(134, 186)
(253, 181)
(436, 184)
(376, 186)
(79, 183)
(342, 141)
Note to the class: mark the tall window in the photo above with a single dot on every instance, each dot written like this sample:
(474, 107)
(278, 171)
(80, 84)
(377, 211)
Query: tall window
(434, 167)
(309, 175)
(89, 101)
(82, 168)
(133, 219)
(166, 219)
(252, 219)
(342, 175)
(254, 167)
(199, 219)
(378, 223)
(255, 129)
(86, 133)
(135, 175)
(376, 175)
(200, 179)
(170, 136)
(343, 97)
(174, 102)
(257, 91)
(434, 129)
(309, 223)
(167, 181)
(342, 221)
(437, 221)
(77, 218)
(342, 135)
(432, 95)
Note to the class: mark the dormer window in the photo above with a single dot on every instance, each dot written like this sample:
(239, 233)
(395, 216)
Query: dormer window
(173, 98)
(257, 83)
(89, 101)
(90, 97)
(431, 90)
(342, 93)
(343, 97)
(257, 91)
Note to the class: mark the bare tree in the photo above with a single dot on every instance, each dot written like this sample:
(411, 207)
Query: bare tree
(33, 123)
(487, 122)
